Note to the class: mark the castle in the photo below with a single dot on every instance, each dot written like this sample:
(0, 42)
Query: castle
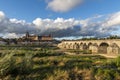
(29, 37)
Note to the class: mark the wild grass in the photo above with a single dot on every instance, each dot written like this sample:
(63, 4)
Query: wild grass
(36, 63)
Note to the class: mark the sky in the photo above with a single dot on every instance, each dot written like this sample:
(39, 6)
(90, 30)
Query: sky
(61, 18)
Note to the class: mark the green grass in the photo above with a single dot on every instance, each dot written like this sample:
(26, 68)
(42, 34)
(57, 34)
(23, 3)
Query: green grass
(38, 63)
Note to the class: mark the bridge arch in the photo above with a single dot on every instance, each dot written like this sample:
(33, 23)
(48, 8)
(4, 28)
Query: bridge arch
(76, 46)
(81, 46)
(70, 45)
(89, 44)
(93, 48)
(113, 49)
(66, 45)
(95, 44)
(85, 46)
(103, 47)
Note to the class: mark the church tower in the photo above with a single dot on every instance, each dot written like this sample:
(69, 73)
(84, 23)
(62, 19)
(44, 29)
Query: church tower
(27, 34)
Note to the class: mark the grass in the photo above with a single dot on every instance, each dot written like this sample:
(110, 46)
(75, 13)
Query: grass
(38, 63)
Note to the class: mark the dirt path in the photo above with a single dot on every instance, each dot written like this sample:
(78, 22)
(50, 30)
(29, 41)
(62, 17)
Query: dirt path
(109, 56)
(105, 55)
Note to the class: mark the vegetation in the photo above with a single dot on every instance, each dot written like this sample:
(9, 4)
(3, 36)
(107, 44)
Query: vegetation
(40, 63)
(99, 38)
(77, 51)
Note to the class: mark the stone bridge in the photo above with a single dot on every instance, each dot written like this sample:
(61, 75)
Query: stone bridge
(108, 46)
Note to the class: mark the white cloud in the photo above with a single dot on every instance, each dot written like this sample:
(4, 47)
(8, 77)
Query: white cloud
(2, 15)
(10, 35)
(113, 20)
(62, 5)
(60, 27)
(17, 21)
(38, 22)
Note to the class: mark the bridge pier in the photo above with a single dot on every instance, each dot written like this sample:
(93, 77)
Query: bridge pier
(93, 49)
(113, 50)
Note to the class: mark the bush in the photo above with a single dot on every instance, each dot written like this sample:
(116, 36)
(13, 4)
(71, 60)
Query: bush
(10, 66)
(118, 61)
(6, 64)
(58, 75)
(25, 66)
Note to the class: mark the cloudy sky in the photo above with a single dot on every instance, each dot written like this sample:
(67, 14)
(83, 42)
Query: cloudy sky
(61, 18)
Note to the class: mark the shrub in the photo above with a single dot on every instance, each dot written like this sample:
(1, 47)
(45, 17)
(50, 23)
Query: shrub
(117, 61)
(9, 66)
(58, 75)
(24, 67)
(6, 64)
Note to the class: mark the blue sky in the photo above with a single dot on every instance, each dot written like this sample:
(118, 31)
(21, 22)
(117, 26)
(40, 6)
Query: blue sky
(31, 9)
(36, 12)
